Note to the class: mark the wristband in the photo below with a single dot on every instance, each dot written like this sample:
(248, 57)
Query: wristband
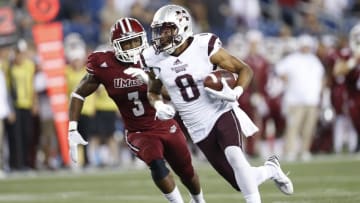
(73, 125)
(78, 96)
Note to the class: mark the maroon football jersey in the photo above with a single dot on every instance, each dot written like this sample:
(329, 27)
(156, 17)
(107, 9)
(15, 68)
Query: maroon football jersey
(352, 82)
(129, 94)
(260, 67)
(337, 83)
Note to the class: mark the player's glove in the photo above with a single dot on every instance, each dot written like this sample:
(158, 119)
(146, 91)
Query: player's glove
(226, 93)
(164, 111)
(138, 73)
(74, 139)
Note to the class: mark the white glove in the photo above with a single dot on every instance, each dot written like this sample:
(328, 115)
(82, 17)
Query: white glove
(226, 93)
(164, 111)
(137, 73)
(74, 139)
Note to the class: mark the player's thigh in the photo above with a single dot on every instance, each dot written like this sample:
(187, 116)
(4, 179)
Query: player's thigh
(177, 154)
(216, 157)
(145, 146)
(228, 130)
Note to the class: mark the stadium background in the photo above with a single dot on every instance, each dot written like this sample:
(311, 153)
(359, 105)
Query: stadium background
(331, 174)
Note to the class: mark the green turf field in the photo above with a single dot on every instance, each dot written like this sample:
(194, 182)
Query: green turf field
(328, 179)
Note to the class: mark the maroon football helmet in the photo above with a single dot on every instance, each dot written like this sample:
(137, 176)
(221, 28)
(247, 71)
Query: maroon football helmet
(127, 29)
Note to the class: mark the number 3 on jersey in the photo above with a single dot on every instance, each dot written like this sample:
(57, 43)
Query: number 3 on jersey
(138, 110)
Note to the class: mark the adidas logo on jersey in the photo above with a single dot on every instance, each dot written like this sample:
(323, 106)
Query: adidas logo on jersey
(177, 62)
(104, 65)
(179, 66)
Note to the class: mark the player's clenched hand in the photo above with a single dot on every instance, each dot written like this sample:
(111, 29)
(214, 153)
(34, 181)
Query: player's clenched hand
(137, 73)
(226, 93)
(75, 139)
(164, 111)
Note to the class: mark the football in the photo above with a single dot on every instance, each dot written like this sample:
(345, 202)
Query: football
(213, 80)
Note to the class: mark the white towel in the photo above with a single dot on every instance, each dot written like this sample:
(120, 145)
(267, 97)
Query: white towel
(248, 127)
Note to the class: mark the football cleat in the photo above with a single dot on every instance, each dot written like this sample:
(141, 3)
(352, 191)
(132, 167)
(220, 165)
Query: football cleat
(282, 181)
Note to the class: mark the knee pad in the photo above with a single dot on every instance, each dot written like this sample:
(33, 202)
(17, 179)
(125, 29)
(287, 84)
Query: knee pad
(158, 169)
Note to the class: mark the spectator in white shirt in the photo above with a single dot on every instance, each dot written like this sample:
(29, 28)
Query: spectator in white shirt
(303, 74)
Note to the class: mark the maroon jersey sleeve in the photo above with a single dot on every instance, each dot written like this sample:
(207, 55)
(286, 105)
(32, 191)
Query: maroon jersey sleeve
(91, 63)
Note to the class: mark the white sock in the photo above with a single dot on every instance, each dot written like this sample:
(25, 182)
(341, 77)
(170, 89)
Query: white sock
(262, 173)
(252, 198)
(199, 198)
(174, 196)
(243, 173)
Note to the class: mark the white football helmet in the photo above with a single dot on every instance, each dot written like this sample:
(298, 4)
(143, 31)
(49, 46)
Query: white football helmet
(354, 39)
(171, 26)
(123, 30)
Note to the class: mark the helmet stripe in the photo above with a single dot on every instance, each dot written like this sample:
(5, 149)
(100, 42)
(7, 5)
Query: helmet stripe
(123, 29)
(127, 21)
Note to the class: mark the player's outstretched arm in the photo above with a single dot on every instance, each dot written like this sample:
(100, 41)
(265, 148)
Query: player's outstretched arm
(87, 86)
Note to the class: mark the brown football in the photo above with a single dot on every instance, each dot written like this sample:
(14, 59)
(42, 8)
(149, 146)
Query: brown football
(213, 80)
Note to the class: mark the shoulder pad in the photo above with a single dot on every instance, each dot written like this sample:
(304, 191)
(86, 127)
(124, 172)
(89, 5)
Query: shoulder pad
(208, 41)
(97, 60)
(150, 58)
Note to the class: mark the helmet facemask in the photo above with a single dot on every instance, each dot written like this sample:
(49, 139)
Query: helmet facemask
(165, 37)
(129, 55)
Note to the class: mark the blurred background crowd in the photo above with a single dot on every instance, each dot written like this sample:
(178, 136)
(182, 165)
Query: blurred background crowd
(269, 35)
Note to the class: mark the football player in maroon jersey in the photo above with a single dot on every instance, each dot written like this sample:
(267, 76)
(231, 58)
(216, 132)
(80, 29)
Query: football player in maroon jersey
(152, 140)
(350, 68)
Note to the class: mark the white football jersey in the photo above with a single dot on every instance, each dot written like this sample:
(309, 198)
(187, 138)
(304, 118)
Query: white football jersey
(183, 78)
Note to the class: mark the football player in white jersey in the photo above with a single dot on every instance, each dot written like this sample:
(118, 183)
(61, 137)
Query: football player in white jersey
(180, 61)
